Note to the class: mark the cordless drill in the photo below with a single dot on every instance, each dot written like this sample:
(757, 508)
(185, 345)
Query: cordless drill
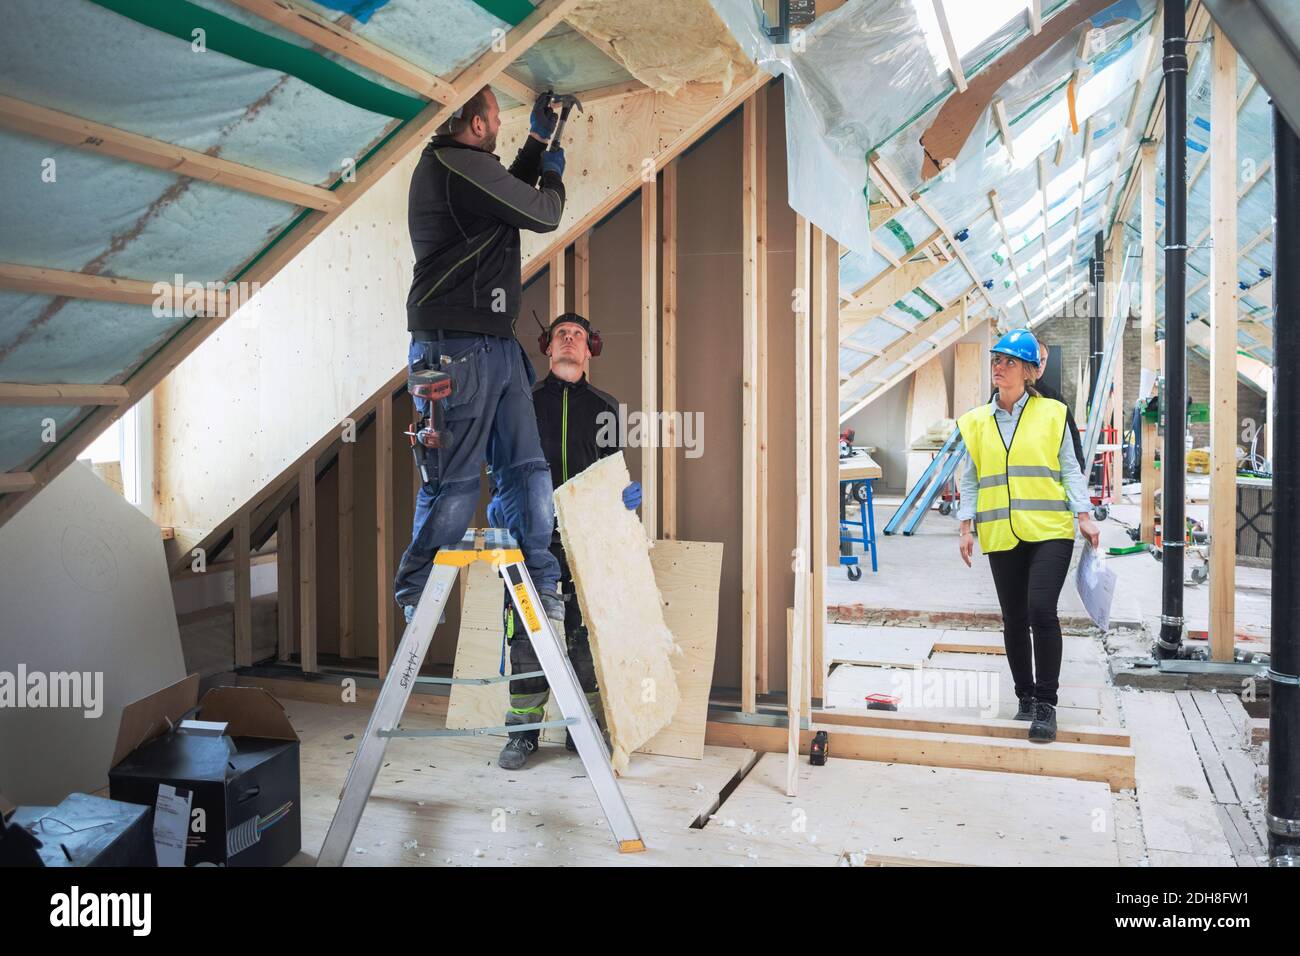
(430, 431)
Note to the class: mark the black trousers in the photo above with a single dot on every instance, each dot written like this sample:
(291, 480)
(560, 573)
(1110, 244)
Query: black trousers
(1029, 578)
(529, 695)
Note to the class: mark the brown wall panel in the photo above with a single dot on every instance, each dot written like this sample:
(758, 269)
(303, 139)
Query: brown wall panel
(709, 374)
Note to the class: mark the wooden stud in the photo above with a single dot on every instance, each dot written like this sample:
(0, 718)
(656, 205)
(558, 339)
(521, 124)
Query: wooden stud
(347, 546)
(650, 356)
(1114, 766)
(336, 37)
(668, 250)
(825, 496)
(800, 625)
(954, 61)
(749, 588)
(555, 287)
(285, 584)
(1223, 351)
(582, 275)
(546, 15)
(95, 137)
(243, 593)
(761, 391)
(82, 285)
(384, 530)
(17, 393)
(307, 566)
(1004, 128)
(996, 204)
(1149, 437)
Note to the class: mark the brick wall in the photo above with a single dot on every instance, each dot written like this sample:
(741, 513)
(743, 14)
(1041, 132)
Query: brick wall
(1071, 334)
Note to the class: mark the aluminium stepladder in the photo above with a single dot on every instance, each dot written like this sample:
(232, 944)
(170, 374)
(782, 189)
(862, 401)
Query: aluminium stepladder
(498, 549)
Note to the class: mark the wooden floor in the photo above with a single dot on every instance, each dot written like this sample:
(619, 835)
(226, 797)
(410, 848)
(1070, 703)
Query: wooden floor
(445, 802)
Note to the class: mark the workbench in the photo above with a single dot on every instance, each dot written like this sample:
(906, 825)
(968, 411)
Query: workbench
(858, 474)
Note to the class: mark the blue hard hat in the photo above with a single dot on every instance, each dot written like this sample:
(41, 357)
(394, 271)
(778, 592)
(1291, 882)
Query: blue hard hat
(1019, 343)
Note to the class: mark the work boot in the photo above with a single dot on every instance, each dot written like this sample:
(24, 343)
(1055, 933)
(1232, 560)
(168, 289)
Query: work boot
(1043, 729)
(1026, 709)
(517, 750)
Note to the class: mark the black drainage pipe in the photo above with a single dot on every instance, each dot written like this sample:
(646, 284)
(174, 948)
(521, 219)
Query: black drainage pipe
(1096, 317)
(1173, 521)
(1284, 670)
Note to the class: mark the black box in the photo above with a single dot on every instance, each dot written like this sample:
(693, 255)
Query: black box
(85, 830)
(245, 808)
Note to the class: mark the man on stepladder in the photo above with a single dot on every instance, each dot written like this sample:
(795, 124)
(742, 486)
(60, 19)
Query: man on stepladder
(578, 425)
(465, 214)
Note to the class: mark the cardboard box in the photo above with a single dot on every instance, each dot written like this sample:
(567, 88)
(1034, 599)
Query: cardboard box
(85, 830)
(242, 785)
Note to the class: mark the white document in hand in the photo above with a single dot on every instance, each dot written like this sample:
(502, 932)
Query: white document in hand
(1096, 584)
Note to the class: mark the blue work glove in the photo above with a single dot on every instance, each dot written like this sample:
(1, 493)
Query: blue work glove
(496, 513)
(543, 119)
(553, 161)
(632, 496)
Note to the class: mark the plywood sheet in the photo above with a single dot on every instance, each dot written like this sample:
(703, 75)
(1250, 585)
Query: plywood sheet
(966, 371)
(855, 808)
(927, 404)
(84, 590)
(630, 641)
(688, 574)
(879, 645)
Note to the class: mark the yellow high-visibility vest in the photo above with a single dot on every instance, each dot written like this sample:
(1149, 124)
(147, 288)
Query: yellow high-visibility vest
(1021, 495)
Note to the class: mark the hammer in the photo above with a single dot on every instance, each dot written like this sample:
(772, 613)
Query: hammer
(569, 101)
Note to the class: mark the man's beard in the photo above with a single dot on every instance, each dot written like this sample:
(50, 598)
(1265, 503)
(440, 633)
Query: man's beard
(490, 144)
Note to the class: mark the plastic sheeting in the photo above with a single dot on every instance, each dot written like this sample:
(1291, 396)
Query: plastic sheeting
(868, 78)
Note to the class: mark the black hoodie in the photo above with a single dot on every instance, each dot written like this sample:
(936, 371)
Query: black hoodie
(465, 214)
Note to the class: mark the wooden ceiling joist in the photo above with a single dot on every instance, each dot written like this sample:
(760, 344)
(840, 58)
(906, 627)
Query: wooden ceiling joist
(886, 289)
(954, 61)
(82, 285)
(337, 38)
(19, 393)
(908, 369)
(996, 204)
(93, 137)
(873, 371)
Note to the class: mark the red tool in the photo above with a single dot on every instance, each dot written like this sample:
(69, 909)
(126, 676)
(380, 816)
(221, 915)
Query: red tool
(429, 431)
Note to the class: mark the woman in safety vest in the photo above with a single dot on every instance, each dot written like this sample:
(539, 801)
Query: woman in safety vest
(1023, 492)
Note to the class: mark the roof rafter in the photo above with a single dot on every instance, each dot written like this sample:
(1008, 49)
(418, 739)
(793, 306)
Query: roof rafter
(95, 137)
